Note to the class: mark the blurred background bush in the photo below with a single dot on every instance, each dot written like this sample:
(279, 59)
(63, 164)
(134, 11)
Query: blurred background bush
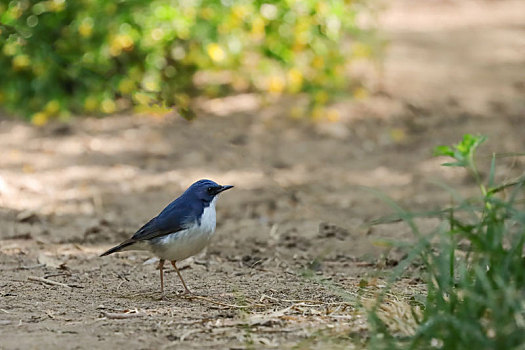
(61, 57)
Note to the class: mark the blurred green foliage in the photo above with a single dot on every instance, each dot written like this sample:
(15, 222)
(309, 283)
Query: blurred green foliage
(94, 56)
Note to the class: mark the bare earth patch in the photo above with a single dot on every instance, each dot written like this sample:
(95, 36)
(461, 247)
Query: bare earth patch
(291, 263)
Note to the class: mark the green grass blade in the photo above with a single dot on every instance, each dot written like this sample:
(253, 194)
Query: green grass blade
(492, 171)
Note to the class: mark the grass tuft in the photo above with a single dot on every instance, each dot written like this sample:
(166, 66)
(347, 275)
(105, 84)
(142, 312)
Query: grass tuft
(474, 269)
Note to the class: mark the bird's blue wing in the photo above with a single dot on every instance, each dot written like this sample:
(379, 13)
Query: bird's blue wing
(172, 219)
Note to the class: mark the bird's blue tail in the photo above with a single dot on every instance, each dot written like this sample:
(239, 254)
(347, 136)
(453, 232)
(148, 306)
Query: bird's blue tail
(118, 248)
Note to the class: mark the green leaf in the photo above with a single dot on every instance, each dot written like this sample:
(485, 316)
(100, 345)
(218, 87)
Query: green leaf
(455, 164)
(469, 144)
(443, 151)
(463, 152)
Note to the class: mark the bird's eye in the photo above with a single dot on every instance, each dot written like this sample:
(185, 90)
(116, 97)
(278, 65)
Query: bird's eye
(210, 190)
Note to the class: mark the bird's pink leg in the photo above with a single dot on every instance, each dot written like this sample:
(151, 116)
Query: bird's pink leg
(186, 290)
(161, 268)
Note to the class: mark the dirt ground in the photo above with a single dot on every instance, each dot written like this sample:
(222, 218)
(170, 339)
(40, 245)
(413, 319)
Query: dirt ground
(291, 262)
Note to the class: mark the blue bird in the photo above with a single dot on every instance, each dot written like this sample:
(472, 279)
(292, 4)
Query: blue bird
(181, 230)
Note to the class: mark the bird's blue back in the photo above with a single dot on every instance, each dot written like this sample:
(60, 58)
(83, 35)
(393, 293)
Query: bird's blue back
(180, 213)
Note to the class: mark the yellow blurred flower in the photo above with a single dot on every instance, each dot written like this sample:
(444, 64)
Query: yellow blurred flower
(115, 50)
(120, 42)
(90, 104)
(86, 27)
(321, 8)
(302, 32)
(258, 28)
(56, 5)
(216, 52)
(108, 106)
(9, 49)
(276, 84)
(183, 33)
(155, 110)
(126, 86)
(21, 62)
(317, 113)
(207, 13)
(225, 27)
(321, 97)
(339, 70)
(240, 11)
(52, 107)
(125, 41)
(190, 12)
(332, 115)
(16, 11)
(295, 80)
(298, 46)
(151, 84)
(39, 118)
(318, 62)
(141, 98)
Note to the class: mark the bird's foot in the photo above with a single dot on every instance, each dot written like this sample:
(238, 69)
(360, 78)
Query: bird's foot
(186, 294)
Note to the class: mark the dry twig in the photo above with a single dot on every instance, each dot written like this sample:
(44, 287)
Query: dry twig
(30, 267)
(50, 282)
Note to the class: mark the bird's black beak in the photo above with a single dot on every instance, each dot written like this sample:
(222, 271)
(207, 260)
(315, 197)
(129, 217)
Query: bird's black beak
(222, 189)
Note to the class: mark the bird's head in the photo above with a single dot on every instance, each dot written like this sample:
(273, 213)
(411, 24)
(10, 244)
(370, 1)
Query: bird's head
(206, 190)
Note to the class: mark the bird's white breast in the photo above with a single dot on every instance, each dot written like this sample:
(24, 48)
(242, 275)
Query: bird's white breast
(185, 243)
(208, 219)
